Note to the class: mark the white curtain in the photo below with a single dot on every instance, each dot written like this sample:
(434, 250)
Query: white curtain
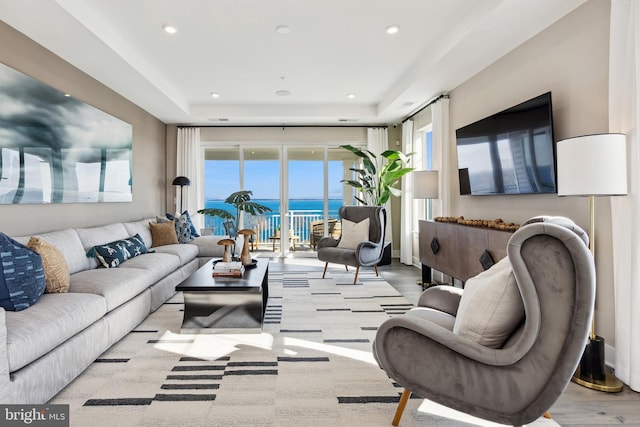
(377, 143)
(188, 164)
(624, 117)
(406, 207)
(441, 154)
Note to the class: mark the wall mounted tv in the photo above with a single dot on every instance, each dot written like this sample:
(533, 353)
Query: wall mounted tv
(511, 152)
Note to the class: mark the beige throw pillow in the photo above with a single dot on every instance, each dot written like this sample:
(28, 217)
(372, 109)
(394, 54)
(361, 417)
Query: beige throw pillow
(491, 306)
(56, 270)
(163, 234)
(354, 233)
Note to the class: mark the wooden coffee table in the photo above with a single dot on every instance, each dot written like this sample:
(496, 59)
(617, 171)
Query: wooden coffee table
(225, 304)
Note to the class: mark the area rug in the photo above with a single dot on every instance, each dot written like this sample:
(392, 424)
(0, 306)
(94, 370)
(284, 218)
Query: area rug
(311, 366)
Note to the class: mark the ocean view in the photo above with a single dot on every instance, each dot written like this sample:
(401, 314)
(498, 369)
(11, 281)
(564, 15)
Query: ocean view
(301, 211)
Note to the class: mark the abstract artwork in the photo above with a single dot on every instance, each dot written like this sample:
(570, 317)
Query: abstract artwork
(55, 148)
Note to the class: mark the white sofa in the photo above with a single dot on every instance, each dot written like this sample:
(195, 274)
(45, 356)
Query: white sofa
(44, 347)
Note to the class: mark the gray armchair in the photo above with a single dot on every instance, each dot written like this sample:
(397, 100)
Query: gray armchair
(518, 381)
(368, 253)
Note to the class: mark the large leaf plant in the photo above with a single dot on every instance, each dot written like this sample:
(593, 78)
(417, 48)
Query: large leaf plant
(241, 201)
(380, 176)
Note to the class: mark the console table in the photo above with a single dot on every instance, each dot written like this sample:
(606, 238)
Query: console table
(456, 250)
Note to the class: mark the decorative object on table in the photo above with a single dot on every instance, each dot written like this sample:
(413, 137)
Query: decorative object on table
(228, 269)
(593, 165)
(226, 257)
(245, 256)
(182, 181)
(377, 180)
(497, 223)
(241, 201)
(58, 149)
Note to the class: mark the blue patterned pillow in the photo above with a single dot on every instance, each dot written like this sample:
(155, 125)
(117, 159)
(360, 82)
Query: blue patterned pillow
(183, 229)
(194, 232)
(22, 279)
(113, 254)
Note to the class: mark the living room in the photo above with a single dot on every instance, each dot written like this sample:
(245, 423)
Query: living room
(570, 58)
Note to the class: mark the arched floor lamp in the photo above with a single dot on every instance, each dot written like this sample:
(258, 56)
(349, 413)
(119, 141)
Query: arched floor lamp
(182, 181)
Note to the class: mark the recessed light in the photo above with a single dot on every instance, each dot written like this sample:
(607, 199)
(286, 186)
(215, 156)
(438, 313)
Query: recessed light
(392, 29)
(215, 95)
(68, 95)
(283, 93)
(169, 29)
(351, 95)
(283, 29)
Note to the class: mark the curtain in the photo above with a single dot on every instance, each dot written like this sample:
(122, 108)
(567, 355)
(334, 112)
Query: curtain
(441, 154)
(188, 164)
(406, 207)
(624, 117)
(377, 143)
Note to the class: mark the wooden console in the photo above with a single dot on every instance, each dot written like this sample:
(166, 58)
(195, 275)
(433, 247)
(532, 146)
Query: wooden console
(459, 248)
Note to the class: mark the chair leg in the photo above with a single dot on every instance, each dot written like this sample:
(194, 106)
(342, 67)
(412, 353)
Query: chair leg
(401, 405)
(375, 267)
(326, 264)
(346, 267)
(547, 415)
(355, 278)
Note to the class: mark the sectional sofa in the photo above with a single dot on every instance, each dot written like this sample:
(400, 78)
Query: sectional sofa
(44, 347)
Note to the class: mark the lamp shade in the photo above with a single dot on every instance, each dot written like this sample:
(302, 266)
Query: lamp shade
(425, 184)
(181, 181)
(592, 165)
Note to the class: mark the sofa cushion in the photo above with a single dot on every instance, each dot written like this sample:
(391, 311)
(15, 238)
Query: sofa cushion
(192, 227)
(22, 279)
(142, 228)
(158, 264)
(112, 254)
(163, 233)
(48, 323)
(56, 270)
(208, 246)
(68, 242)
(93, 236)
(116, 285)
(183, 228)
(353, 233)
(186, 252)
(491, 306)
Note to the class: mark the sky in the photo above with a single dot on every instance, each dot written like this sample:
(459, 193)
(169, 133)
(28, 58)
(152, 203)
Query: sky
(262, 177)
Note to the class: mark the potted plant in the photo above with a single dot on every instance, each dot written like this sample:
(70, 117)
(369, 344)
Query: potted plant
(378, 180)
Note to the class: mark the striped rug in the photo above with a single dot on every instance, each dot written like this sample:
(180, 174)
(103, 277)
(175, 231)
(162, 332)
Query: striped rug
(311, 366)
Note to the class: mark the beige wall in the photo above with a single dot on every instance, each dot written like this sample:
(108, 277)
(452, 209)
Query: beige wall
(570, 59)
(24, 55)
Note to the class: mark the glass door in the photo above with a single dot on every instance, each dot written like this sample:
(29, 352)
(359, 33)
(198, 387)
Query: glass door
(261, 172)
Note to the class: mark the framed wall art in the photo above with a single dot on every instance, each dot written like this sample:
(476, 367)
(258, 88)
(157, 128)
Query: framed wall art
(55, 148)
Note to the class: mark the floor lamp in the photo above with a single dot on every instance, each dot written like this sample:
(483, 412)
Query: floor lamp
(182, 181)
(593, 165)
(425, 186)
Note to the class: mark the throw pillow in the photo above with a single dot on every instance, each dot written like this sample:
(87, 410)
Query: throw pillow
(182, 228)
(192, 228)
(491, 306)
(163, 234)
(22, 279)
(115, 253)
(56, 270)
(353, 233)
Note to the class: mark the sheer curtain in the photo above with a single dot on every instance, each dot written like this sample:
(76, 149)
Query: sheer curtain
(624, 117)
(406, 207)
(441, 154)
(377, 143)
(188, 164)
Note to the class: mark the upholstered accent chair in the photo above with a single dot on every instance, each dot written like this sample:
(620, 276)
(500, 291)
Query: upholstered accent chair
(510, 380)
(361, 242)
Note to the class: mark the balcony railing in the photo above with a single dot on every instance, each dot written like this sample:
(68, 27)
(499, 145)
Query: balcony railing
(268, 225)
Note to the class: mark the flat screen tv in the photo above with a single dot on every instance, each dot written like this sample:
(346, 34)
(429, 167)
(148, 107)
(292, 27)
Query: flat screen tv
(511, 152)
